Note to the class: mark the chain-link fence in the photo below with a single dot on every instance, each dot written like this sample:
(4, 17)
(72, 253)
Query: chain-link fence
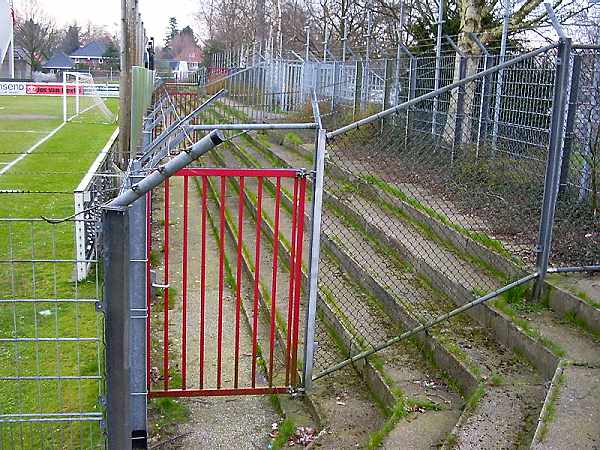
(438, 197)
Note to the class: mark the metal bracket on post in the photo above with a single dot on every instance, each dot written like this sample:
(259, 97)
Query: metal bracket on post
(553, 166)
(315, 242)
(117, 324)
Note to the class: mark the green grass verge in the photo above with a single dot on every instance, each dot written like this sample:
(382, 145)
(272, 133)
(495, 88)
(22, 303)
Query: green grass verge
(164, 414)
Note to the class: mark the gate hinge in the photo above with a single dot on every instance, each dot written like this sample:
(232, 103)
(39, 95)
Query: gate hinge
(302, 173)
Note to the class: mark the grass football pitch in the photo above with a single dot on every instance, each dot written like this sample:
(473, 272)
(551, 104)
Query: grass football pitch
(45, 368)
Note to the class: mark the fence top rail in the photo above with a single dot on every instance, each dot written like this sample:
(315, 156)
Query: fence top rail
(226, 172)
(408, 104)
(586, 47)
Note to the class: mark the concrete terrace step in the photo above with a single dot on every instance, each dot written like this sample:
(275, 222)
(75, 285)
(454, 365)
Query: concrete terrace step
(508, 427)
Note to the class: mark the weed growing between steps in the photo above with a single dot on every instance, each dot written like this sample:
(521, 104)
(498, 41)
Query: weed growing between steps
(550, 413)
(572, 319)
(512, 303)
(482, 238)
(164, 414)
(286, 429)
(403, 408)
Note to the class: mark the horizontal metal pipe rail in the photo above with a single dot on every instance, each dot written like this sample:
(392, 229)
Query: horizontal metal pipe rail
(574, 269)
(257, 126)
(155, 178)
(427, 325)
(178, 124)
(436, 93)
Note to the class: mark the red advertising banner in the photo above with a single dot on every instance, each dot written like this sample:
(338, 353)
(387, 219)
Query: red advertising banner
(51, 89)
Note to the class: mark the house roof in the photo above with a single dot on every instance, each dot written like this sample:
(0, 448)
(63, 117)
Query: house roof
(59, 61)
(94, 49)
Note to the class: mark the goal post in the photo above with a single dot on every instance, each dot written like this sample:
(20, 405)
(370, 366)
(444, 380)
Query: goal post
(82, 100)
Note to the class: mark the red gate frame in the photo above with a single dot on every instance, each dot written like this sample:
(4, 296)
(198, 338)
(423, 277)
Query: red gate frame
(294, 290)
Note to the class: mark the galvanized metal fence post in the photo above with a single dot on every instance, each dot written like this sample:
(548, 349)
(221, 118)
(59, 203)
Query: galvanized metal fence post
(571, 115)
(315, 242)
(138, 314)
(500, 76)
(358, 76)
(553, 165)
(438, 63)
(115, 228)
(460, 107)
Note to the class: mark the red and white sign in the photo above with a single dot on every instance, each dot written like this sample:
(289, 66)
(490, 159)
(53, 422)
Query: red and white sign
(51, 89)
(23, 88)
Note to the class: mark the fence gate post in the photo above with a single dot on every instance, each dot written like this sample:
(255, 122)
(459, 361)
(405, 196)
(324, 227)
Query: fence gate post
(315, 242)
(358, 76)
(552, 179)
(115, 229)
(138, 315)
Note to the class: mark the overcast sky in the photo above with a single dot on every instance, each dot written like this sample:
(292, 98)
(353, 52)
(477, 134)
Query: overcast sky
(155, 13)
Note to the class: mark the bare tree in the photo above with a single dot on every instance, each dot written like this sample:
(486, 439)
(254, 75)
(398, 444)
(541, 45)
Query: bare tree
(35, 33)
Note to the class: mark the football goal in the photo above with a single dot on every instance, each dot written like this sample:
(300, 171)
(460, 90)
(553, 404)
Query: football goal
(82, 100)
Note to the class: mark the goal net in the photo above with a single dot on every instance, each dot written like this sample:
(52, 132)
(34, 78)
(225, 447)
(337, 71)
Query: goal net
(84, 101)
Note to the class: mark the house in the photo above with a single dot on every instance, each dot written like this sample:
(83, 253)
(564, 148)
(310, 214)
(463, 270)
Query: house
(59, 62)
(91, 54)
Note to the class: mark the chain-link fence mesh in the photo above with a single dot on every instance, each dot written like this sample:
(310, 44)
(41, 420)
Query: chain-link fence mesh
(442, 197)
(577, 223)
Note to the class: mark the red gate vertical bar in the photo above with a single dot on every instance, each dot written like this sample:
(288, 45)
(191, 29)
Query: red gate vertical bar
(184, 286)
(221, 280)
(203, 279)
(166, 291)
(291, 284)
(274, 280)
(256, 279)
(298, 281)
(238, 282)
(148, 288)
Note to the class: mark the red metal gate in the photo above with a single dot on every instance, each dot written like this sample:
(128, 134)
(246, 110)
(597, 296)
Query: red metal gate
(219, 231)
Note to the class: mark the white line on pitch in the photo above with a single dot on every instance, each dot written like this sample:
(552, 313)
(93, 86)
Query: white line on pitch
(31, 149)
(25, 131)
